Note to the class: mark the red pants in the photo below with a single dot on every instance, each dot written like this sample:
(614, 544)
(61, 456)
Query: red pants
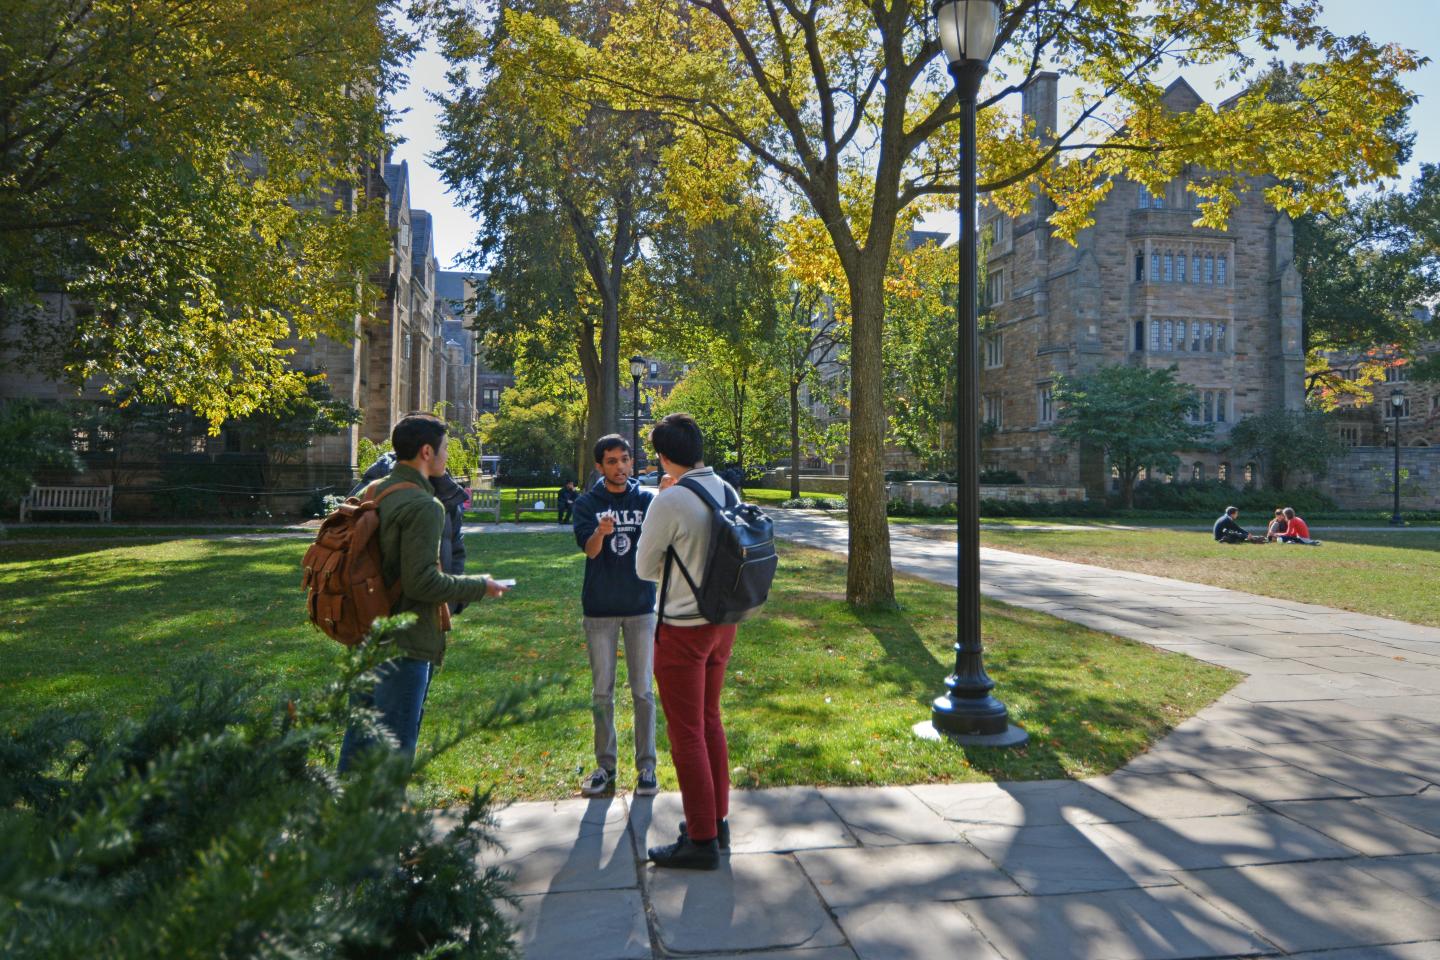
(690, 673)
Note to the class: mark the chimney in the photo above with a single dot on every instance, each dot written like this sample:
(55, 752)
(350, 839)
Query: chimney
(1040, 101)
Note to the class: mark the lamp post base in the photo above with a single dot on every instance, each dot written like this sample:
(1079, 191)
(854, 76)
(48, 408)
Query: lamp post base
(979, 721)
(1011, 736)
(1397, 521)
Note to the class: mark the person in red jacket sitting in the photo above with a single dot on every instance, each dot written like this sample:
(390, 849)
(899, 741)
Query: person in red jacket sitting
(1296, 530)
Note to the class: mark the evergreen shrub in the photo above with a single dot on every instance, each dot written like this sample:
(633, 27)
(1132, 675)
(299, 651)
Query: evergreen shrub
(215, 826)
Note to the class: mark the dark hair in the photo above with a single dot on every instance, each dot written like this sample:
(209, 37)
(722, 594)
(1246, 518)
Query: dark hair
(677, 438)
(1230, 510)
(415, 430)
(611, 441)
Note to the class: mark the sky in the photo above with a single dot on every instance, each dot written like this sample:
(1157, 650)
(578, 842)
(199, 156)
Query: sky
(1412, 23)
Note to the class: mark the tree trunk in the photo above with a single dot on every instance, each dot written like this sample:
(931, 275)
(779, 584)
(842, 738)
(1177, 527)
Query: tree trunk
(595, 422)
(794, 440)
(1127, 491)
(870, 581)
(609, 400)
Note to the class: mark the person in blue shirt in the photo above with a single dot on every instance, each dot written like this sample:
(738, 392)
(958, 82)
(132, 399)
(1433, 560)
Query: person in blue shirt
(616, 601)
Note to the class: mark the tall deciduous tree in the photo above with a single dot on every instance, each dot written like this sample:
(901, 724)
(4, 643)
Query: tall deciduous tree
(1138, 417)
(809, 338)
(920, 326)
(847, 103)
(567, 192)
(175, 170)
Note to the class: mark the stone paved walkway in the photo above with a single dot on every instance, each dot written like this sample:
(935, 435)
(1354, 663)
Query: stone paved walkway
(1297, 816)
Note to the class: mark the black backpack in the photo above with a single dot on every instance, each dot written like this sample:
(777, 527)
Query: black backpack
(740, 564)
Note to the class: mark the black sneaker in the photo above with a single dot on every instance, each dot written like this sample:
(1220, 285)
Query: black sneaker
(722, 833)
(646, 785)
(598, 784)
(686, 854)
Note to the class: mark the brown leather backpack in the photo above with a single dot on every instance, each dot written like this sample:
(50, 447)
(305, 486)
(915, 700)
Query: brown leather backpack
(345, 588)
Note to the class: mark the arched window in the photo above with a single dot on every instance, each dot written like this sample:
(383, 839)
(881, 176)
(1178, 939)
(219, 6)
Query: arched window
(1169, 335)
(1221, 345)
(1197, 472)
(1139, 265)
(1195, 268)
(1209, 336)
(1139, 335)
(1209, 406)
(1250, 475)
(1220, 271)
(1169, 267)
(1180, 335)
(1180, 267)
(1195, 336)
(1154, 335)
(1209, 268)
(1115, 479)
(1222, 472)
(1155, 268)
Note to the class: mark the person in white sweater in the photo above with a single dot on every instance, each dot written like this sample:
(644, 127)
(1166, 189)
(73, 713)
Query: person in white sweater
(690, 653)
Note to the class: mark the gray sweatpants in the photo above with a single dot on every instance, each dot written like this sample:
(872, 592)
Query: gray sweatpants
(602, 636)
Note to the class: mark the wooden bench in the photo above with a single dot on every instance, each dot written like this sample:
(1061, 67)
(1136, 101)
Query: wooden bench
(486, 501)
(525, 501)
(87, 499)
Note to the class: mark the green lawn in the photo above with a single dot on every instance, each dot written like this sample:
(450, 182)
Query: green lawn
(817, 694)
(1381, 573)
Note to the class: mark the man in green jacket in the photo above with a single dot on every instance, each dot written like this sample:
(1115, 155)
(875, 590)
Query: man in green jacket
(412, 522)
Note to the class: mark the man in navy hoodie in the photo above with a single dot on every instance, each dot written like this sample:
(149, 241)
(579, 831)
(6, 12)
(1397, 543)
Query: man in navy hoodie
(616, 601)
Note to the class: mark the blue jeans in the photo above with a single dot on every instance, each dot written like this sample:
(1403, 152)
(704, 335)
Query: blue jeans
(399, 696)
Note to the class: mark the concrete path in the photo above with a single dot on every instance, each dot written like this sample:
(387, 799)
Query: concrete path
(1297, 816)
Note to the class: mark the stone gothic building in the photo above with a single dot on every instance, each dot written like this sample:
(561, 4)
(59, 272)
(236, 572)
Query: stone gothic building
(1146, 287)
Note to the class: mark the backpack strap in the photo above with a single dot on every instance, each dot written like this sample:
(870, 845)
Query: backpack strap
(695, 487)
(392, 590)
(402, 485)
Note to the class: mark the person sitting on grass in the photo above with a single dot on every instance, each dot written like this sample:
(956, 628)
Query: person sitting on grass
(1228, 531)
(1296, 530)
(1276, 530)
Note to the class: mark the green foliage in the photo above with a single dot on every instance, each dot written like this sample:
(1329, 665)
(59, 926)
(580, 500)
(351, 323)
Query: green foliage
(1137, 416)
(213, 826)
(1287, 442)
(534, 435)
(32, 436)
(178, 173)
(1204, 499)
(1366, 269)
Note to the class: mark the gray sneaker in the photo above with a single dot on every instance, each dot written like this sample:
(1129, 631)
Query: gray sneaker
(646, 785)
(598, 784)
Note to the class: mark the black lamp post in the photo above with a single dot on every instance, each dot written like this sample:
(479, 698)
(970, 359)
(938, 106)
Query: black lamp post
(637, 370)
(967, 712)
(1397, 403)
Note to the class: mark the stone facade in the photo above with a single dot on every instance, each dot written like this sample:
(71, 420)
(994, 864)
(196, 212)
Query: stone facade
(1372, 423)
(1364, 478)
(1143, 286)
